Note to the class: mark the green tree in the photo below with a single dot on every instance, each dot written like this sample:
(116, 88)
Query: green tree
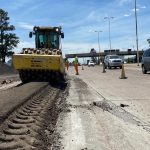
(8, 40)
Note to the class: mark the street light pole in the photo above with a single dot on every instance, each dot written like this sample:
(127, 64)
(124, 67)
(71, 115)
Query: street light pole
(99, 44)
(109, 30)
(136, 35)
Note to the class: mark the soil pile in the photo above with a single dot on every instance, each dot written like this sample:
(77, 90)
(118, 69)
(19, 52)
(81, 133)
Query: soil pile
(5, 69)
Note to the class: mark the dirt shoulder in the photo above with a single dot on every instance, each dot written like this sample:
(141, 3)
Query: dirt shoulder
(6, 70)
(10, 99)
(8, 74)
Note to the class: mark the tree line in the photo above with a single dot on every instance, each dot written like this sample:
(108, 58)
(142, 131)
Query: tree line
(8, 39)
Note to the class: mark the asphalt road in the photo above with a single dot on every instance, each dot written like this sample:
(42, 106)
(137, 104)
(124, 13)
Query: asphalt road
(133, 91)
(88, 127)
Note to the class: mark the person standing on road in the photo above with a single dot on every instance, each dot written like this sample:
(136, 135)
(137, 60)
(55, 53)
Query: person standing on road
(76, 65)
(67, 63)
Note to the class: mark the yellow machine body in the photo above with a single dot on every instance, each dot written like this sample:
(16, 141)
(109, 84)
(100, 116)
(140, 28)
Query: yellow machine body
(38, 62)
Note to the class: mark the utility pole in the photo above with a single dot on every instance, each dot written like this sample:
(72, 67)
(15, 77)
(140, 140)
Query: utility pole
(99, 45)
(109, 31)
(136, 35)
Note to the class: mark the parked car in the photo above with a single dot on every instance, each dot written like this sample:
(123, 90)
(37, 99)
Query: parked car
(91, 63)
(145, 64)
(113, 61)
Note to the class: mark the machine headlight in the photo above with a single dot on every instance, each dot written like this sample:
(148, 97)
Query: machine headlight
(57, 29)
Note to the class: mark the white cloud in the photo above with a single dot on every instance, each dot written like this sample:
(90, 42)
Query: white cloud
(24, 44)
(143, 7)
(73, 24)
(18, 4)
(25, 25)
(134, 9)
(94, 16)
(69, 47)
(91, 15)
(122, 2)
(126, 15)
(138, 8)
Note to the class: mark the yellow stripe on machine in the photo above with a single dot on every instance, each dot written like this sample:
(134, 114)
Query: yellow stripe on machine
(38, 62)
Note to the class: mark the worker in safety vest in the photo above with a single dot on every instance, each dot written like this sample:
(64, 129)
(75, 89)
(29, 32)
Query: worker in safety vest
(67, 63)
(76, 65)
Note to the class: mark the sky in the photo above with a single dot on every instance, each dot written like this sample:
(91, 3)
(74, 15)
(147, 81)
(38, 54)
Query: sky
(79, 20)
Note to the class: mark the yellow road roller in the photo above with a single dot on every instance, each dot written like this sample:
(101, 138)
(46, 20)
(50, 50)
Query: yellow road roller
(45, 61)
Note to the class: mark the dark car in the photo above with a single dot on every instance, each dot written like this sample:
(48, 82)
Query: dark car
(145, 64)
(113, 61)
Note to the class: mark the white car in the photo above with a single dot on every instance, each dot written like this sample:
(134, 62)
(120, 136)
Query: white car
(91, 63)
(113, 61)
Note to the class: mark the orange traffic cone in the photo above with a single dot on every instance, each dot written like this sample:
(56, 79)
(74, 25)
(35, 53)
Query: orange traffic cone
(104, 68)
(123, 76)
(82, 67)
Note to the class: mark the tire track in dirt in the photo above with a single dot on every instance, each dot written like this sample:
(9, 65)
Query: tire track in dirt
(22, 129)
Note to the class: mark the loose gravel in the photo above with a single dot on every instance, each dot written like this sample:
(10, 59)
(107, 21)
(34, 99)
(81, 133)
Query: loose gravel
(122, 113)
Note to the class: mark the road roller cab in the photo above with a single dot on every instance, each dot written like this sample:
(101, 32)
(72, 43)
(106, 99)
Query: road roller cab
(47, 37)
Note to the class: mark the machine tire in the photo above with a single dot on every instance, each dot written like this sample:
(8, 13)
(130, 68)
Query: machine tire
(144, 70)
(23, 76)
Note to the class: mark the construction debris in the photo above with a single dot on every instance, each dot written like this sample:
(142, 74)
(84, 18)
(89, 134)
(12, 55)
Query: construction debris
(124, 105)
(6, 81)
